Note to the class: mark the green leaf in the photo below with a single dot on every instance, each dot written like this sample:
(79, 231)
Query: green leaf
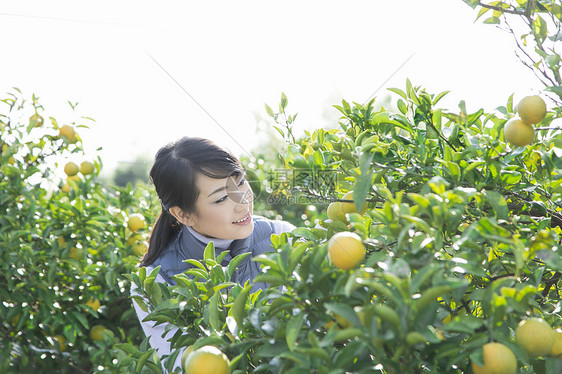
(209, 253)
(237, 309)
(269, 111)
(283, 101)
(398, 92)
(293, 329)
(233, 265)
(214, 312)
(498, 203)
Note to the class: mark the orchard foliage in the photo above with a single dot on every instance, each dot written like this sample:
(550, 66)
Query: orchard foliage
(63, 249)
(463, 238)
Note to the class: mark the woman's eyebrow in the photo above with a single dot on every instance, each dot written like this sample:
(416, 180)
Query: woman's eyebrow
(217, 190)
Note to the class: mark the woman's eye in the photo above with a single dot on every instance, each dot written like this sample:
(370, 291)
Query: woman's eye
(220, 200)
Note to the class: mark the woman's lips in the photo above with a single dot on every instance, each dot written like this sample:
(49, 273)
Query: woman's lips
(244, 221)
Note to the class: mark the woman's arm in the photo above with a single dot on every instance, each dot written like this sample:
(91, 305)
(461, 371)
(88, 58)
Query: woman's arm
(155, 333)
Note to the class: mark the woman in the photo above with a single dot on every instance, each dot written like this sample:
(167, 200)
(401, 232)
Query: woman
(205, 197)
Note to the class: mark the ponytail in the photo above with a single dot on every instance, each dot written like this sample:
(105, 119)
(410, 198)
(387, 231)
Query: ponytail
(164, 229)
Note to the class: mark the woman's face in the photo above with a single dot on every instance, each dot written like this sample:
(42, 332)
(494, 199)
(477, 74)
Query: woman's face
(224, 208)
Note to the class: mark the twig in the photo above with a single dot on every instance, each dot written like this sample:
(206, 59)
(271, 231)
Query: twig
(494, 7)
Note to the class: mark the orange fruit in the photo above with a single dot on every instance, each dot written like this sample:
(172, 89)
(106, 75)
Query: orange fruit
(350, 207)
(206, 360)
(135, 222)
(97, 332)
(346, 250)
(68, 132)
(71, 169)
(335, 213)
(518, 132)
(498, 359)
(535, 336)
(87, 167)
(531, 109)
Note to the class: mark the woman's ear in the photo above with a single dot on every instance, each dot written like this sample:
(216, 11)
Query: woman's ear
(182, 217)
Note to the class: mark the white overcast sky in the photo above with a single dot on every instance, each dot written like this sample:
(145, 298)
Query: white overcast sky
(233, 56)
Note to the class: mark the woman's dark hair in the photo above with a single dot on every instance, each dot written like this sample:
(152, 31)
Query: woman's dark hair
(174, 175)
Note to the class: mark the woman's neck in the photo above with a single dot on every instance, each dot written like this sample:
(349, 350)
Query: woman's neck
(219, 243)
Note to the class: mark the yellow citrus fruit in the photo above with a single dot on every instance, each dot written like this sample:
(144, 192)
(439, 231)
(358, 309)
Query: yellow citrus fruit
(74, 178)
(36, 120)
(68, 132)
(97, 332)
(556, 350)
(135, 222)
(11, 160)
(535, 336)
(61, 242)
(186, 353)
(346, 250)
(62, 342)
(71, 169)
(65, 187)
(518, 132)
(139, 248)
(206, 360)
(76, 253)
(134, 238)
(531, 109)
(350, 207)
(87, 168)
(335, 213)
(93, 303)
(498, 359)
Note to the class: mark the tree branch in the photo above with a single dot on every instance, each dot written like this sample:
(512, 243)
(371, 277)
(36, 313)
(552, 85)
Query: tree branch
(503, 10)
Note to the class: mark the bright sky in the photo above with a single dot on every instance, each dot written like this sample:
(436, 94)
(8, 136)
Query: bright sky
(231, 57)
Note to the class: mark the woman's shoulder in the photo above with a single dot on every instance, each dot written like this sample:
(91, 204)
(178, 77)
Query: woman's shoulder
(268, 226)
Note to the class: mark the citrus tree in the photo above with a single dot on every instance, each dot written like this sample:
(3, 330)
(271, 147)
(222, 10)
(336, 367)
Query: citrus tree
(437, 250)
(458, 244)
(65, 247)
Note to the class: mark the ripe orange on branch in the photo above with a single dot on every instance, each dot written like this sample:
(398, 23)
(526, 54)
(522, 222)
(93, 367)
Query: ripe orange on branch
(68, 132)
(206, 360)
(531, 109)
(535, 336)
(351, 207)
(518, 132)
(71, 169)
(87, 168)
(135, 222)
(498, 359)
(346, 250)
(97, 332)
